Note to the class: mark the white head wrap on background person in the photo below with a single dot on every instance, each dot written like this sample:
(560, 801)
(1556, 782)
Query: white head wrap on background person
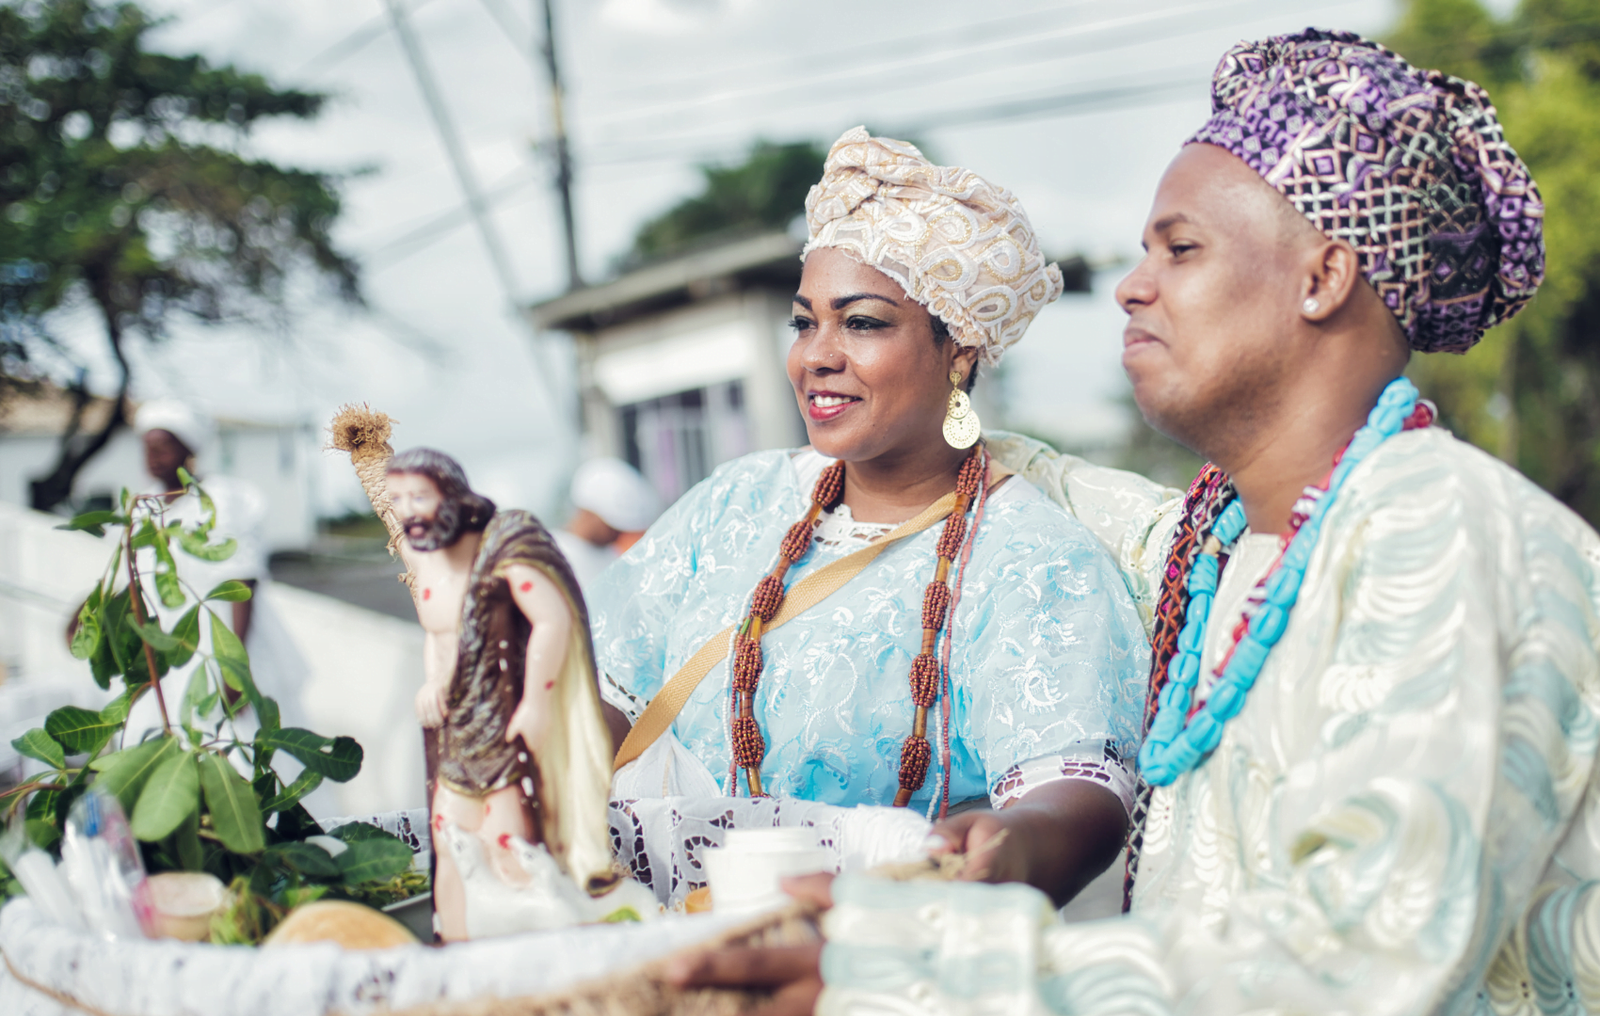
(177, 419)
(956, 243)
(616, 492)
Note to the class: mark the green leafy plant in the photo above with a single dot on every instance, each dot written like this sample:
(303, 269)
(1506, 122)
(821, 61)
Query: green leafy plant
(197, 796)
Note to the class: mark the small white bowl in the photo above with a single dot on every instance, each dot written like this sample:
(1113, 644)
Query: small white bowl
(745, 874)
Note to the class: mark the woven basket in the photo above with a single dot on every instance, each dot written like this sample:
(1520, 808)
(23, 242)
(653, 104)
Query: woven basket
(642, 991)
(596, 970)
(145, 978)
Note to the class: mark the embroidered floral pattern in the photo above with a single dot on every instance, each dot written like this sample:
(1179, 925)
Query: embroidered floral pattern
(1048, 652)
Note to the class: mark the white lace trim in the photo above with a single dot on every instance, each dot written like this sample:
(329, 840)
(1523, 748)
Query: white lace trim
(838, 530)
(1096, 762)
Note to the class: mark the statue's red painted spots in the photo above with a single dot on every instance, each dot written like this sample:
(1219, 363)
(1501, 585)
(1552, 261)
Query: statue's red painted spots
(427, 594)
(548, 685)
(526, 586)
(504, 841)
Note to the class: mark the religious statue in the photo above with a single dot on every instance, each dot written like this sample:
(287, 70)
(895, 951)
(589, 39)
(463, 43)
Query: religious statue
(518, 757)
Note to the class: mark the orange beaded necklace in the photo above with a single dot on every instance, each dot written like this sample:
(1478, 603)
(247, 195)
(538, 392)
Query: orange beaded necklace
(915, 753)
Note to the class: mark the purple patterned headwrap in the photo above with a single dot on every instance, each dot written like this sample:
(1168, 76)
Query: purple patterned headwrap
(1408, 166)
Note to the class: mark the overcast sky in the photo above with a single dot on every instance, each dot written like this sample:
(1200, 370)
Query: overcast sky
(656, 87)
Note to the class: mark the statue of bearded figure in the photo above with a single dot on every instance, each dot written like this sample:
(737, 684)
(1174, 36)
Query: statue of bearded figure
(518, 755)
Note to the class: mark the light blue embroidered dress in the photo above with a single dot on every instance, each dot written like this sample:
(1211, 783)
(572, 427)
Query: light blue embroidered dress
(1048, 662)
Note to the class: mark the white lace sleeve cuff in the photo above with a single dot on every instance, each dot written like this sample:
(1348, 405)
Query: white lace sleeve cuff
(1095, 761)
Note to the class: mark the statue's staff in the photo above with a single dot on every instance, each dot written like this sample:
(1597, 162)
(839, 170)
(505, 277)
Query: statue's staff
(364, 432)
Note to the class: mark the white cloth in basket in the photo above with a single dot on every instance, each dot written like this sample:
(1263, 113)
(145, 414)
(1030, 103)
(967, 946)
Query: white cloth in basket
(140, 977)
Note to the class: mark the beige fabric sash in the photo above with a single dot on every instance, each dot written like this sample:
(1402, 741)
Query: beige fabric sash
(804, 595)
(807, 593)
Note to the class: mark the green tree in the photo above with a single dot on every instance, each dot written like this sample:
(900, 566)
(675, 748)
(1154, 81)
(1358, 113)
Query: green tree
(766, 191)
(125, 185)
(1531, 392)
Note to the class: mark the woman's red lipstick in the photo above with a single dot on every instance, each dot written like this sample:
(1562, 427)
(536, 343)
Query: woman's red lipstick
(831, 404)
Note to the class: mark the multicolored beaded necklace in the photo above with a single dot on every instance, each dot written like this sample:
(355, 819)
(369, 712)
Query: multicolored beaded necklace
(1180, 736)
(749, 747)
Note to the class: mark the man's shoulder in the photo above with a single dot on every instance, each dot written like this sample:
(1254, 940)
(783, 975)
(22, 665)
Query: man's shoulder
(1432, 471)
(1034, 525)
(1121, 509)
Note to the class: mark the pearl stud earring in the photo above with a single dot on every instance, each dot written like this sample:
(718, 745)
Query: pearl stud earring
(1310, 306)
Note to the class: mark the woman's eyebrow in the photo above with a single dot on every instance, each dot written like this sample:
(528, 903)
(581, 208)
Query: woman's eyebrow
(839, 303)
(802, 301)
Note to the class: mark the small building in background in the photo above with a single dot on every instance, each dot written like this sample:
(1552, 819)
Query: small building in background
(275, 457)
(681, 362)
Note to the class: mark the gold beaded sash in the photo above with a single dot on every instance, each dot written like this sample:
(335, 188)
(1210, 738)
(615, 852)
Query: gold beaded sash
(804, 595)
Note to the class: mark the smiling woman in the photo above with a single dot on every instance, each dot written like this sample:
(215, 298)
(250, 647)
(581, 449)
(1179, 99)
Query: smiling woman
(886, 616)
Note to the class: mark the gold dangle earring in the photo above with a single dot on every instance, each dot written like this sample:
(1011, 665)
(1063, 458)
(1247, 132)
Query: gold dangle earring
(961, 426)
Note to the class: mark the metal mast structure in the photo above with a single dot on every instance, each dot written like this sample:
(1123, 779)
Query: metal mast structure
(453, 148)
(477, 204)
(563, 154)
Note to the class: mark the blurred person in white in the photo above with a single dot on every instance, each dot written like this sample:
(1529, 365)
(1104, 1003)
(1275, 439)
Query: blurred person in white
(612, 507)
(175, 436)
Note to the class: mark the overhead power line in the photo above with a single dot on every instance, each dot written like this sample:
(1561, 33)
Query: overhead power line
(1074, 103)
(351, 44)
(404, 245)
(1103, 96)
(811, 62)
(1094, 95)
(453, 148)
(898, 68)
(464, 175)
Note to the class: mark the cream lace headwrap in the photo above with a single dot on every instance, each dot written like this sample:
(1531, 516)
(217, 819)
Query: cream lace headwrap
(956, 243)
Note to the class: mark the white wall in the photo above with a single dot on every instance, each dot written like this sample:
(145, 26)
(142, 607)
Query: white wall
(365, 669)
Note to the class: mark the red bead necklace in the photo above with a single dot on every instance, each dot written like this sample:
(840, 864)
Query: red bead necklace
(915, 753)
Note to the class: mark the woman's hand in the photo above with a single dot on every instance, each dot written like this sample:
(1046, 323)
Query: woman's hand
(995, 853)
(1058, 837)
(792, 973)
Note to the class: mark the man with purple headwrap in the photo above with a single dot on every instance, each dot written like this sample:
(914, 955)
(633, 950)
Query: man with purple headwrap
(1369, 771)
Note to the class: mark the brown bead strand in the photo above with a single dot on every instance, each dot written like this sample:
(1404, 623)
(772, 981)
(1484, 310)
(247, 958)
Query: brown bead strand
(749, 747)
(915, 752)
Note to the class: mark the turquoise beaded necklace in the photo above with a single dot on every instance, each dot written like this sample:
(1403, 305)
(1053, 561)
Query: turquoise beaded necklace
(1173, 747)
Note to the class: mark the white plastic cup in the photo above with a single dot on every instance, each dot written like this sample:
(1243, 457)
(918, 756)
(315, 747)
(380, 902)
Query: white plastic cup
(745, 872)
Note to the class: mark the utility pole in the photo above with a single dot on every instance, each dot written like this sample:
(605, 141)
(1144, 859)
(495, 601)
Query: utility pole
(563, 153)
